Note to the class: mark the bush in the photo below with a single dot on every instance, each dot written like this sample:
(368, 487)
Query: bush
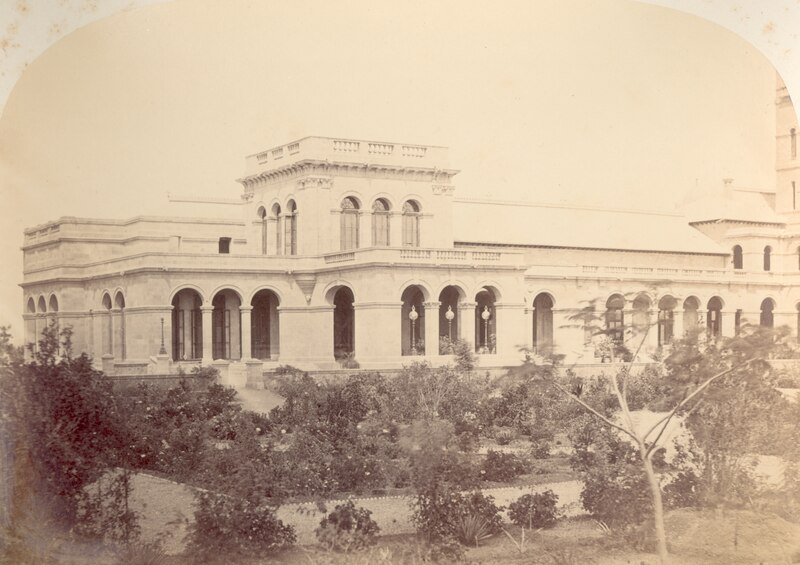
(232, 527)
(347, 528)
(499, 466)
(535, 510)
(438, 511)
(504, 437)
(540, 449)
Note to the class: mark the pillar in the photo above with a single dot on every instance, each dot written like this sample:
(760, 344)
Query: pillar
(568, 335)
(208, 341)
(377, 331)
(510, 329)
(651, 342)
(466, 314)
(431, 327)
(528, 322)
(306, 336)
(245, 312)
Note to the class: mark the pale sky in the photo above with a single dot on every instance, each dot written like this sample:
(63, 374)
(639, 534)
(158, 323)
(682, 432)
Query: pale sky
(618, 103)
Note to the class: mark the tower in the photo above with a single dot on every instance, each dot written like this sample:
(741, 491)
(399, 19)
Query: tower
(787, 164)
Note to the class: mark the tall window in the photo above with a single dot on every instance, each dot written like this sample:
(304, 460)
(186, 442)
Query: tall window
(714, 317)
(793, 141)
(224, 245)
(262, 214)
(278, 219)
(543, 323)
(767, 319)
(380, 223)
(615, 321)
(411, 214)
(290, 224)
(738, 262)
(349, 224)
(666, 320)
(737, 322)
(767, 258)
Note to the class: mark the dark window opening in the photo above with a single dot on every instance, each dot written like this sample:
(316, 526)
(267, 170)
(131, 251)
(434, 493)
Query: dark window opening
(224, 245)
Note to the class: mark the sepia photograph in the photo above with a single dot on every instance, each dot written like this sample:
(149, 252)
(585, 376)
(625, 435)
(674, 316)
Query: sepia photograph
(375, 283)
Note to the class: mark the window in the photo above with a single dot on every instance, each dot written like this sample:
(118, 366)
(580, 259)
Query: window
(767, 258)
(411, 214)
(380, 223)
(349, 224)
(738, 261)
(290, 224)
(767, 319)
(793, 141)
(262, 214)
(666, 320)
(543, 323)
(714, 317)
(737, 322)
(276, 216)
(615, 321)
(224, 245)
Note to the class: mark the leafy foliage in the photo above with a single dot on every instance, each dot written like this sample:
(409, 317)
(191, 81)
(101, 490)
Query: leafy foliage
(499, 466)
(233, 527)
(347, 528)
(438, 511)
(535, 510)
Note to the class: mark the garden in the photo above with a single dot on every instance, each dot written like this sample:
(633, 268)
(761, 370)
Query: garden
(439, 438)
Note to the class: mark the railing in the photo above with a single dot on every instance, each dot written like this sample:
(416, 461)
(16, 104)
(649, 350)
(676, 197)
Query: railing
(414, 151)
(485, 256)
(415, 254)
(451, 254)
(347, 146)
(380, 148)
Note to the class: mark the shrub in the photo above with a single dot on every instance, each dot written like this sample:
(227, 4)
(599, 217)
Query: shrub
(504, 437)
(471, 529)
(233, 527)
(438, 511)
(535, 510)
(540, 449)
(499, 466)
(347, 528)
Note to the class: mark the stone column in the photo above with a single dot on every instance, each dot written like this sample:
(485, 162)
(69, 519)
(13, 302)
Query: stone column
(510, 330)
(364, 228)
(568, 336)
(208, 342)
(431, 327)
(651, 342)
(528, 315)
(245, 312)
(728, 323)
(466, 327)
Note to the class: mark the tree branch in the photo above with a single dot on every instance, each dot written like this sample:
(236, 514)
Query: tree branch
(694, 393)
(595, 412)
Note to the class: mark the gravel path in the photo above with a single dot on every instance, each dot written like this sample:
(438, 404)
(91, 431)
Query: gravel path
(166, 509)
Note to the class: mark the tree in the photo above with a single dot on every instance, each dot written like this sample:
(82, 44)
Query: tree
(693, 368)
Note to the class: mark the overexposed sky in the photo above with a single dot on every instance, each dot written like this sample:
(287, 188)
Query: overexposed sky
(610, 102)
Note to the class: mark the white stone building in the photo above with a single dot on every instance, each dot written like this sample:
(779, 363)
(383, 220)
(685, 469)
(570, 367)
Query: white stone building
(348, 248)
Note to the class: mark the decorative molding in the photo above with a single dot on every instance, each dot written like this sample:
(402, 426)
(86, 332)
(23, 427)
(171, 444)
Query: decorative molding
(443, 189)
(315, 181)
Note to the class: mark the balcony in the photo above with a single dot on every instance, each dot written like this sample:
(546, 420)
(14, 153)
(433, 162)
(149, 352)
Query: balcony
(656, 274)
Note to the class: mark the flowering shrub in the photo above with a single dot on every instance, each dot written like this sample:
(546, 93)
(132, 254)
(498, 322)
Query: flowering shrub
(438, 511)
(347, 528)
(232, 527)
(499, 466)
(535, 510)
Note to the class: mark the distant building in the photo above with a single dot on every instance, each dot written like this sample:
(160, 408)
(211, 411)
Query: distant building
(359, 249)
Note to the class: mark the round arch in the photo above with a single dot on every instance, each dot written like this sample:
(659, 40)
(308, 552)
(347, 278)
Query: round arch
(456, 284)
(530, 297)
(193, 287)
(233, 288)
(388, 198)
(423, 286)
(490, 286)
(332, 288)
(273, 289)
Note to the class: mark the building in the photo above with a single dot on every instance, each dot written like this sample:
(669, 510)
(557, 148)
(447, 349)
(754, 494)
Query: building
(341, 249)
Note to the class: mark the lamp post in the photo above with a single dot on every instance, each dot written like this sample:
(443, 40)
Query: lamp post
(449, 315)
(163, 350)
(485, 315)
(413, 315)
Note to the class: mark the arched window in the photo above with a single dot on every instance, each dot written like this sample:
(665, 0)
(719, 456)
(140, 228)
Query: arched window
(449, 318)
(767, 258)
(226, 326)
(767, 316)
(278, 219)
(42, 305)
(344, 323)
(714, 317)
(412, 322)
(411, 215)
(666, 320)
(119, 338)
(380, 223)
(690, 322)
(349, 224)
(543, 323)
(485, 322)
(291, 228)
(187, 326)
(738, 262)
(264, 325)
(615, 320)
(108, 323)
(262, 215)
